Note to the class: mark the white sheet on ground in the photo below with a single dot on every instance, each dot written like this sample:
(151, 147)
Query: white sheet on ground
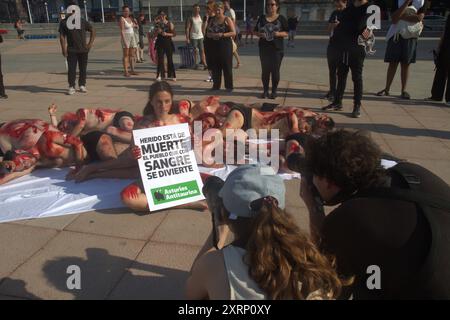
(46, 193)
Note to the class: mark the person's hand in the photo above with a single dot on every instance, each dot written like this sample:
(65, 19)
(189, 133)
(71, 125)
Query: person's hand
(306, 193)
(335, 24)
(80, 174)
(7, 166)
(188, 41)
(64, 53)
(163, 33)
(52, 109)
(262, 35)
(89, 46)
(366, 34)
(137, 154)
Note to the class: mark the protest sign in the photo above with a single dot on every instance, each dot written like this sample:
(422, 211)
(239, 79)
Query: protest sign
(168, 167)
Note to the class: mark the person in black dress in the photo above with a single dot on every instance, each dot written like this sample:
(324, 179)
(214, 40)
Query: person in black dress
(221, 30)
(271, 29)
(164, 46)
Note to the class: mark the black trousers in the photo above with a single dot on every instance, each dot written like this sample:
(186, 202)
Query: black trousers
(333, 58)
(2, 86)
(165, 47)
(441, 81)
(352, 59)
(271, 59)
(221, 62)
(72, 60)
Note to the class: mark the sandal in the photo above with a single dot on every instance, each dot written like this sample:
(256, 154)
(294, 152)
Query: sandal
(405, 95)
(134, 73)
(383, 92)
(126, 75)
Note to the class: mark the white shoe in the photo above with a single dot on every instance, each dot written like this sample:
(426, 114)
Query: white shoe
(447, 103)
(83, 89)
(71, 91)
(209, 79)
(158, 79)
(174, 79)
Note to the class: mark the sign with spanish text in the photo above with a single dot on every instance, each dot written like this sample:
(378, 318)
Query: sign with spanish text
(168, 167)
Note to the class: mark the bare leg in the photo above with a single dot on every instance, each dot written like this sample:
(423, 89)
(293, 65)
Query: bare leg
(131, 59)
(238, 60)
(404, 75)
(392, 69)
(133, 197)
(126, 59)
(105, 148)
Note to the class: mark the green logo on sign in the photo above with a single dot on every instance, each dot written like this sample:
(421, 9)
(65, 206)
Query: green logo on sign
(175, 192)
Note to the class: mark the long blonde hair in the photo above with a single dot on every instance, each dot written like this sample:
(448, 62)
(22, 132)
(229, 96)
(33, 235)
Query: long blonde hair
(284, 261)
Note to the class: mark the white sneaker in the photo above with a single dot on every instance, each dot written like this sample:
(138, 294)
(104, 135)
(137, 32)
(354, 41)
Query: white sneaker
(209, 79)
(83, 89)
(158, 79)
(71, 91)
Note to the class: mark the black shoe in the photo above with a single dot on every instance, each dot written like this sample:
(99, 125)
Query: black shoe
(334, 106)
(264, 95)
(433, 99)
(229, 90)
(356, 111)
(4, 96)
(329, 96)
(273, 96)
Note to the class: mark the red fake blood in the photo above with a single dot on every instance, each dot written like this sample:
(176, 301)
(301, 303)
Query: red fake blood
(294, 148)
(81, 114)
(17, 128)
(51, 149)
(131, 192)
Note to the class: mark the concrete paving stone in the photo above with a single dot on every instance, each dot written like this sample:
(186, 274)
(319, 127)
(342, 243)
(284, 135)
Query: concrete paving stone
(426, 150)
(102, 262)
(118, 223)
(19, 243)
(184, 227)
(57, 223)
(160, 272)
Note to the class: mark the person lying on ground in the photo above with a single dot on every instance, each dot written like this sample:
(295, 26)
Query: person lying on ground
(118, 124)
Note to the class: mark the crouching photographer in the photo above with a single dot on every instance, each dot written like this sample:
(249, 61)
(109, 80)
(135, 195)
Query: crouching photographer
(269, 257)
(391, 229)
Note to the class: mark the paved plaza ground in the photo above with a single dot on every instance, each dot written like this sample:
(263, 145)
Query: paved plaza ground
(124, 255)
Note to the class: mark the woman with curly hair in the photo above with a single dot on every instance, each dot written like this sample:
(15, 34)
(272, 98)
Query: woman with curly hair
(270, 257)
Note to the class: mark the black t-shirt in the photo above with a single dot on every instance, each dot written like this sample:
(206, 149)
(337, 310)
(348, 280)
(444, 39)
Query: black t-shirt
(391, 234)
(335, 16)
(292, 23)
(76, 39)
(278, 25)
(352, 23)
(141, 28)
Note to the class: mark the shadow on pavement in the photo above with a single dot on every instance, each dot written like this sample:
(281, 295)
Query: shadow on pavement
(18, 287)
(398, 131)
(102, 272)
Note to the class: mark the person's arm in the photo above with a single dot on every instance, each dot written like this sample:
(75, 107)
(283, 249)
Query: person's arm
(122, 30)
(52, 112)
(119, 135)
(232, 32)
(92, 35)
(81, 122)
(63, 43)
(188, 31)
(316, 216)
(400, 11)
(284, 28)
(171, 32)
(196, 284)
